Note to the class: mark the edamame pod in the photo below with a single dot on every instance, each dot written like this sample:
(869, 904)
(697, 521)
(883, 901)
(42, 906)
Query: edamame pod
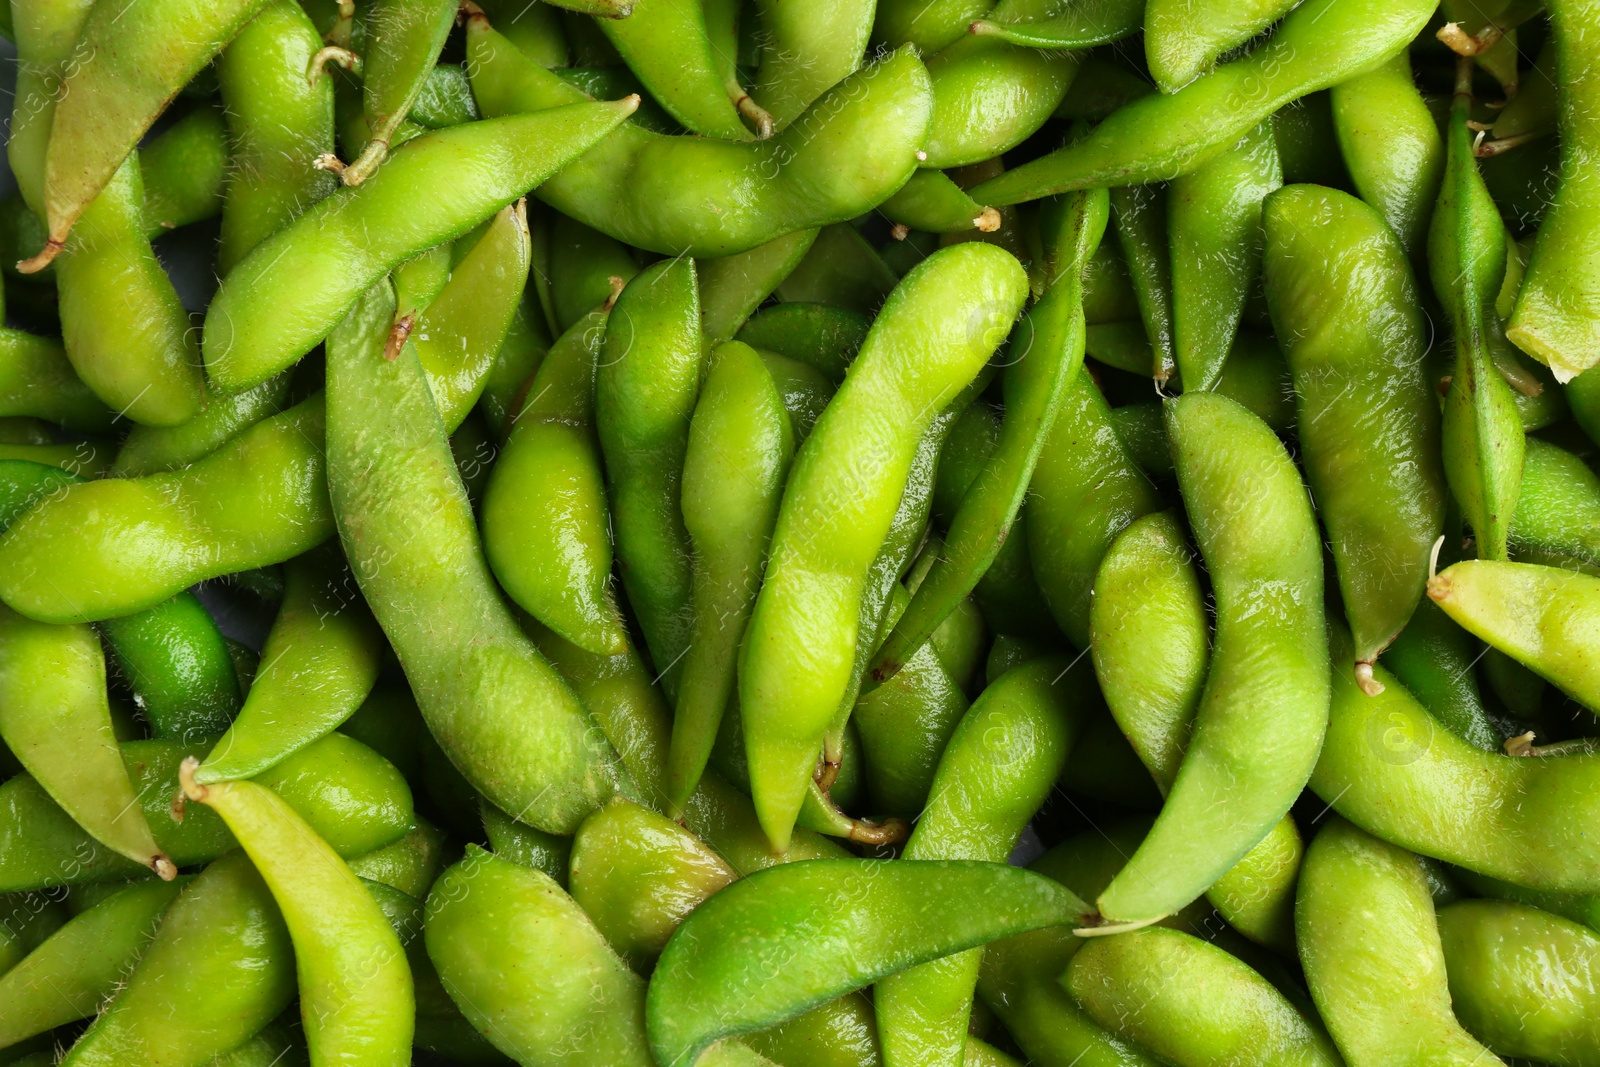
(1050, 24)
(31, 919)
(1184, 37)
(842, 270)
(1555, 315)
(177, 662)
(739, 448)
(807, 50)
(1521, 980)
(997, 770)
(668, 45)
(931, 202)
(356, 996)
(1215, 236)
(1264, 708)
(1141, 223)
(1558, 508)
(545, 520)
(1391, 147)
(155, 449)
(109, 548)
(526, 343)
(941, 324)
(37, 380)
(504, 717)
(827, 338)
(352, 797)
(128, 64)
(644, 397)
(296, 285)
(281, 123)
(1192, 1003)
(989, 96)
(1520, 820)
(184, 170)
(732, 287)
(1369, 944)
(1162, 136)
(716, 976)
(583, 263)
(409, 864)
(404, 38)
(1346, 309)
(55, 720)
(1434, 658)
(318, 664)
(78, 968)
(853, 148)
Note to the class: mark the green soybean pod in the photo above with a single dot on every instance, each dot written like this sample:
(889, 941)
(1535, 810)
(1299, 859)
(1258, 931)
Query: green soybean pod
(356, 995)
(37, 380)
(1391, 147)
(318, 664)
(732, 287)
(1520, 980)
(77, 968)
(748, 957)
(108, 548)
(281, 123)
(1162, 135)
(544, 514)
(929, 26)
(404, 38)
(1215, 235)
(807, 49)
(1555, 309)
(1140, 214)
(1345, 307)
(989, 96)
(220, 968)
(184, 170)
(55, 720)
(1369, 944)
(156, 449)
(1558, 509)
(177, 662)
(824, 337)
(739, 449)
(1191, 1003)
(931, 339)
(1184, 37)
(505, 718)
(1433, 658)
(30, 920)
(1520, 820)
(996, 772)
(670, 47)
(1049, 24)
(526, 343)
(409, 864)
(841, 269)
(262, 319)
(583, 263)
(1253, 521)
(933, 203)
(1085, 490)
(644, 398)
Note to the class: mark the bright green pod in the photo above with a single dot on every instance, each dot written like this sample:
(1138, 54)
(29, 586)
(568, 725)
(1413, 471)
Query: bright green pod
(932, 203)
(445, 99)
(841, 270)
(545, 516)
(404, 38)
(521, 843)
(281, 123)
(1046, 352)
(462, 331)
(1050, 24)
(1192, 1003)
(128, 66)
(1085, 491)
(1535, 614)
(356, 995)
(157, 449)
(1215, 236)
(73, 972)
(1140, 214)
(185, 169)
(1369, 943)
(318, 664)
(644, 398)
(1558, 509)
(732, 287)
(1433, 658)
(739, 448)
(996, 772)
(929, 26)
(296, 285)
(1483, 440)
(940, 326)
(1391, 147)
(220, 968)
(1520, 980)
(109, 548)
(669, 46)
(177, 663)
(419, 279)
(583, 263)
(55, 720)
(503, 715)
(1345, 307)
(37, 380)
(827, 338)
(1579, 907)
(1556, 307)
(1256, 895)
(350, 795)
(1264, 708)
(409, 864)
(638, 874)
(1164, 135)
(526, 343)
(803, 390)
(807, 49)
(989, 96)
(1521, 820)
(749, 957)
(30, 920)
(854, 147)
(1182, 38)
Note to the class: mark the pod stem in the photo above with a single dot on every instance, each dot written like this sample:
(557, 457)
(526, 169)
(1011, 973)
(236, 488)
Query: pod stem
(1095, 925)
(1365, 679)
(46, 255)
(332, 54)
(988, 220)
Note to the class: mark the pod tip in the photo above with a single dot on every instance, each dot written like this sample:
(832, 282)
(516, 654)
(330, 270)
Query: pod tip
(47, 254)
(988, 220)
(1364, 678)
(165, 869)
(190, 788)
(889, 832)
(1095, 925)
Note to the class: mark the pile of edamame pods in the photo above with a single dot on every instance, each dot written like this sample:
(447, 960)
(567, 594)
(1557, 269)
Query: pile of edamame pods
(816, 533)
